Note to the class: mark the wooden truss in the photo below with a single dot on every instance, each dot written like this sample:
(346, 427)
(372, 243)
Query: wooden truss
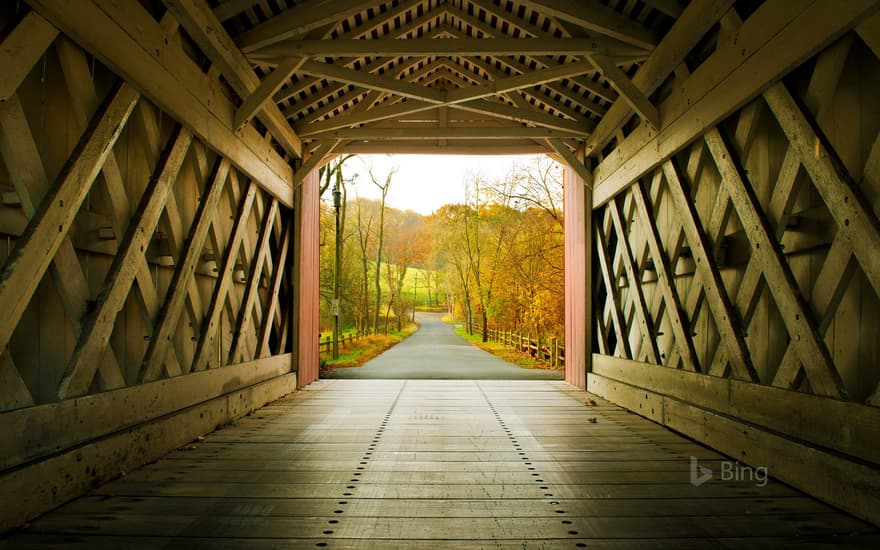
(718, 261)
(478, 75)
(166, 256)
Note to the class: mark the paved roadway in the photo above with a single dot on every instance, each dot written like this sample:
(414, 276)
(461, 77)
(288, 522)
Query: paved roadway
(437, 352)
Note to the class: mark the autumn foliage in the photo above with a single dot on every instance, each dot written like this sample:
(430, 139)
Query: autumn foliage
(495, 260)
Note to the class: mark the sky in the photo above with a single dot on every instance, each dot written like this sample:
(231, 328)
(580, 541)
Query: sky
(423, 183)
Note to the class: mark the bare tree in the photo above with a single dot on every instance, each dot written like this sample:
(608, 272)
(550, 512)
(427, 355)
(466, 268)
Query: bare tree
(535, 184)
(384, 186)
(364, 228)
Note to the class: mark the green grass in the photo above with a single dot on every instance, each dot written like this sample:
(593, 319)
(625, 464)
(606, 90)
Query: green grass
(510, 355)
(416, 276)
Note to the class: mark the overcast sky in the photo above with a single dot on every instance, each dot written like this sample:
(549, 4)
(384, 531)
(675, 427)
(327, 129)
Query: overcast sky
(425, 182)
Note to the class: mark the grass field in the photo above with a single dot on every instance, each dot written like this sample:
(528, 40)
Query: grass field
(416, 277)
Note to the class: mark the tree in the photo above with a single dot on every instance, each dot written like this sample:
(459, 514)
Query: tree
(502, 252)
(364, 228)
(384, 186)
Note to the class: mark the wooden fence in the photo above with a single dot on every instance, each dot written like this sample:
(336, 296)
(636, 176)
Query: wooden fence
(326, 345)
(549, 350)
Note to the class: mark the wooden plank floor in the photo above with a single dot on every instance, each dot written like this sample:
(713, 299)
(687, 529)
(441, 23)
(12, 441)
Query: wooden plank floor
(440, 464)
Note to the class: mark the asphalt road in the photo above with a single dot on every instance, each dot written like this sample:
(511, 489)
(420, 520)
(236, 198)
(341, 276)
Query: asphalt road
(437, 352)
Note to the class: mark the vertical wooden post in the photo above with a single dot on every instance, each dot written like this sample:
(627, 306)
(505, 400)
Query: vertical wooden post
(578, 201)
(305, 294)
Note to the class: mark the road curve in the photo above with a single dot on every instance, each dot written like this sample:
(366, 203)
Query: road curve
(437, 352)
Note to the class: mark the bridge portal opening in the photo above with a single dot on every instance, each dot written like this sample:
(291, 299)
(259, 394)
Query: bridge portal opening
(464, 247)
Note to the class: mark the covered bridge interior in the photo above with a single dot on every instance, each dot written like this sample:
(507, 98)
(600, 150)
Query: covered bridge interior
(158, 169)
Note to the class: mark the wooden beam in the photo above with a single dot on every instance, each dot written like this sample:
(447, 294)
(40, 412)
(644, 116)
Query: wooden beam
(205, 349)
(184, 271)
(796, 314)
(818, 97)
(596, 17)
(800, 416)
(550, 89)
(681, 327)
(569, 158)
(528, 116)
(627, 90)
(345, 96)
(21, 49)
(254, 102)
(646, 325)
(44, 430)
(366, 30)
(611, 289)
(523, 147)
(200, 23)
(251, 293)
(771, 42)
(418, 133)
(354, 118)
(46, 231)
(84, 101)
(672, 8)
(274, 296)
(133, 434)
(170, 79)
(724, 315)
(530, 63)
(300, 19)
(150, 133)
(373, 82)
(466, 47)
(525, 80)
(869, 32)
(828, 291)
(698, 17)
(319, 152)
(231, 8)
(855, 217)
(98, 326)
(452, 97)
(22, 158)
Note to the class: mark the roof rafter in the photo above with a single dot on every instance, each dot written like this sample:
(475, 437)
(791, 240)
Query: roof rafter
(450, 97)
(202, 25)
(441, 46)
(366, 80)
(405, 134)
(300, 19)
(267, 87)
(628, 91)
(596, 17)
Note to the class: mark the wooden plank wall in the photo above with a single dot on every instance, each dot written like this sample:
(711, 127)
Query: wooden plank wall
(308, 284)
(578, 200)
(144, 275)
(748, 254)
